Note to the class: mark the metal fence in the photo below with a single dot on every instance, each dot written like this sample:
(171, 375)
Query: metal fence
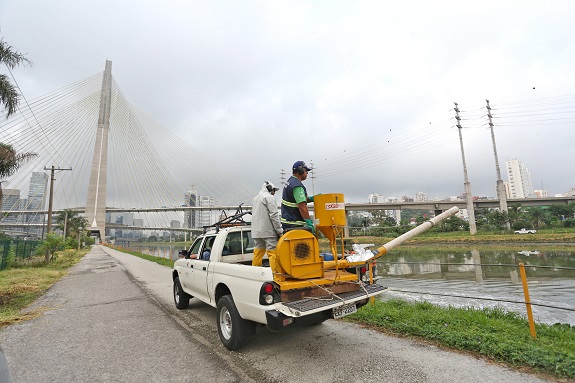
(17, 250)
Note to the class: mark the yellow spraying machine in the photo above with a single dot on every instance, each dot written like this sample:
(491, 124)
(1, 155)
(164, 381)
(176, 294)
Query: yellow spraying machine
(299, 269)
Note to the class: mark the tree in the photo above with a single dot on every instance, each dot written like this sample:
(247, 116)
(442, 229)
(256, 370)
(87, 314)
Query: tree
(453, 223)
(562, 212)
(10, 161)
(70, 222)
(498, 219)
(9, 95)
(50, 246)
(64, 219)
(536, 216)
(380, 218)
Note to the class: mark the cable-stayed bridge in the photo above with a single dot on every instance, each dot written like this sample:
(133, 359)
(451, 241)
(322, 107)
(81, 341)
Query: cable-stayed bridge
(149, 172)
(120, 158)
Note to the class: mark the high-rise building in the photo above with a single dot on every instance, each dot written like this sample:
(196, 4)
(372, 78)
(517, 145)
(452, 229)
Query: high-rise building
(36, 199)
(395, 214)
(376, 198)
(10, 202)
(421, 197)
(519, 180)
(190, 216)
(205, 216)
(37, 191)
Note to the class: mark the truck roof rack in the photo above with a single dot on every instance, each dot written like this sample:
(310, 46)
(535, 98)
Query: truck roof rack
(235, 219)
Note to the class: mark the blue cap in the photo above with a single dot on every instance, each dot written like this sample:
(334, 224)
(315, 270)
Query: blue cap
(298, 164)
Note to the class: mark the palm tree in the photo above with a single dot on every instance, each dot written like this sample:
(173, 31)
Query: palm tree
(9, 95)
(10, 161)
(63, 220)
(78, 225)
(536, 216)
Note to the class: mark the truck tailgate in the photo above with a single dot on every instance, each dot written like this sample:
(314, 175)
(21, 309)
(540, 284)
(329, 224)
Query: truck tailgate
(309, 306)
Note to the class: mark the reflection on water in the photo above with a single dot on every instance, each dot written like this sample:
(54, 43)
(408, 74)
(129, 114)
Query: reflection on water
(162, 251)
(478, 277)
(484, 277)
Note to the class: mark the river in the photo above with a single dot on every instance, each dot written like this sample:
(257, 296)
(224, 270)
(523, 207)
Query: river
(476, 276)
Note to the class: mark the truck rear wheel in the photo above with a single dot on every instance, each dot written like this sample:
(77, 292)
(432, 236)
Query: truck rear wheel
(181, 299)
(234, 331)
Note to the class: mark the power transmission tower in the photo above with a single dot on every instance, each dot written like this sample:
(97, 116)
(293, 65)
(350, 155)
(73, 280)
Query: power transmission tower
(468, 195)
(312, 177)
(282, 177)
(501, 195)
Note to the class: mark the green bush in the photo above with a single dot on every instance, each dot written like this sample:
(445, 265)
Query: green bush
(51, 244)
(71, 243)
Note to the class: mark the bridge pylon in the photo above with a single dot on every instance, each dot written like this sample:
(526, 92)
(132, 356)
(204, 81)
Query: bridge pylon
(96, 198)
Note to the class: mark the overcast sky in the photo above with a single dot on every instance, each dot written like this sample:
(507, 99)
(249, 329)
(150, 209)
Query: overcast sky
(363, 89)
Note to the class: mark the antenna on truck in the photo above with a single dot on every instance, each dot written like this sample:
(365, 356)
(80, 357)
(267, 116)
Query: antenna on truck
(235, 219)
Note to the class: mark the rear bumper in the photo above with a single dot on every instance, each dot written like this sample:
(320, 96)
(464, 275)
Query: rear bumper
(277, 321)
(314, 310)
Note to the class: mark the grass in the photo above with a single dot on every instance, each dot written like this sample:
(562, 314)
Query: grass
(541, 237)
(493, 333)
(22, 284)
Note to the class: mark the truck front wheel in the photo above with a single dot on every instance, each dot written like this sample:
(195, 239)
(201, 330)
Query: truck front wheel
(234, 331)
(181, 299)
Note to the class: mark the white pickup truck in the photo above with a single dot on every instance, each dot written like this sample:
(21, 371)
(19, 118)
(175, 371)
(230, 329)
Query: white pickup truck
(302, 286)
(217, 270)
(525, 231)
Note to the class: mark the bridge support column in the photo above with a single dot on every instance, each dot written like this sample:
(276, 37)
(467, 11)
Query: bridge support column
(96, 199)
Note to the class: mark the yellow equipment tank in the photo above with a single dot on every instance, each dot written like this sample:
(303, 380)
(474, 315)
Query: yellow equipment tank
(298, 256)
(329, 210)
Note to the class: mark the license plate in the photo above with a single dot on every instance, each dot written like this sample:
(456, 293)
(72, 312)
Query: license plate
(340, 312)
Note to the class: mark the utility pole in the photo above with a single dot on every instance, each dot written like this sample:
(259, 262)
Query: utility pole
(468, 195)
(501, 195)
(65, 223)
(50, 203)
(282, 177)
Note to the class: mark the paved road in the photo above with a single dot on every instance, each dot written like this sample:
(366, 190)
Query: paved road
(113, 320)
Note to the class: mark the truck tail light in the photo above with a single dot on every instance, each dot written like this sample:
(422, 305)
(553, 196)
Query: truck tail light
(269, 294)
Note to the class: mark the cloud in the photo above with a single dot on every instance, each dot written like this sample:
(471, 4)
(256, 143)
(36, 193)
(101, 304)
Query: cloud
(365, 90)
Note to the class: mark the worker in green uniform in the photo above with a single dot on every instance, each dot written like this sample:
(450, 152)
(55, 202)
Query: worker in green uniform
(295, 213)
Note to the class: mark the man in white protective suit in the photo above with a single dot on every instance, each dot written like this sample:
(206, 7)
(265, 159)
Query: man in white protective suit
(266, 225)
